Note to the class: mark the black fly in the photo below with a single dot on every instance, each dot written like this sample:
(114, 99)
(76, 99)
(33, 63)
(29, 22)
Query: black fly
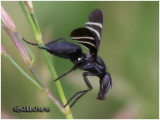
(89, 37)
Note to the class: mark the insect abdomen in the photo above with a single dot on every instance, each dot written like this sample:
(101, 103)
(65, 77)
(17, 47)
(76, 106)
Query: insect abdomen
(65, 50)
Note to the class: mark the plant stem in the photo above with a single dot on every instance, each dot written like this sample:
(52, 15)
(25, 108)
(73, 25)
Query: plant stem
(35, 27)
(43, 89)
(36, 76)
(23, 51)
(11, 30)
(26, 47)
(24, 73)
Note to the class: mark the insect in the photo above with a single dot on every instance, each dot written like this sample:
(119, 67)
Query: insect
(89, 36)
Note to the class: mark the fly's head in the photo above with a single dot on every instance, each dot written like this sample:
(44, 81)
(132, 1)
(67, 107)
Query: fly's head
(105, 84)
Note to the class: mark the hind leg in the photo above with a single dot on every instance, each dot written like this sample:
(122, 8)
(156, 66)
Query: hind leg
(53, 41)
(64, 39)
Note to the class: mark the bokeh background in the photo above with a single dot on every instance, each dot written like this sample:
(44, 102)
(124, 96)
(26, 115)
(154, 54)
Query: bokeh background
(129, 47)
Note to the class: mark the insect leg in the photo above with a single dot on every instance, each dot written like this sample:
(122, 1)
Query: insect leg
(29, 42)
(34, 44)
(64, 74)
(74, 97)
(85, 74)
(46, 44)
(79, 97)
(76, 66)
(53, 41)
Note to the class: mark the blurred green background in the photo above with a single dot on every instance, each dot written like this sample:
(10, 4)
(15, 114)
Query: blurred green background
(129, 47)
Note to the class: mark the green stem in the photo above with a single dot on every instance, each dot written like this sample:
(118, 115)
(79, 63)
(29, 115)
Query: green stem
(25, 10)
(25, 45)
(43, 89)
(35, 21)
(24, 73)
(36, 76)
(35, 27)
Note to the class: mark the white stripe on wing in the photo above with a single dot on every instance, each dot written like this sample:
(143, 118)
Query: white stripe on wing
(87, 43)
(95, 31)
(91, 38)
(94, 23)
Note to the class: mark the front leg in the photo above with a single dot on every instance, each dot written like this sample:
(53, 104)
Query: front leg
(85, 74)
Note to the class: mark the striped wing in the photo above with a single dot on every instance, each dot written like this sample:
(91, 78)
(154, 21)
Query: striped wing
(85, 37)
(95, 24)
(90, 36)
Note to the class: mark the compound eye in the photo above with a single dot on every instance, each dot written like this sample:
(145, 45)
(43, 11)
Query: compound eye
(106, 83)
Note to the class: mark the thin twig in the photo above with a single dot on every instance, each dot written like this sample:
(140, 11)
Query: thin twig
(10, 28)
(35, 27)
(43, 89)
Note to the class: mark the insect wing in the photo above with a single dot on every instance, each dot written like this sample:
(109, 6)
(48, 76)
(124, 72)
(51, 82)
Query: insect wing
(85, 37)
(95, 24)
